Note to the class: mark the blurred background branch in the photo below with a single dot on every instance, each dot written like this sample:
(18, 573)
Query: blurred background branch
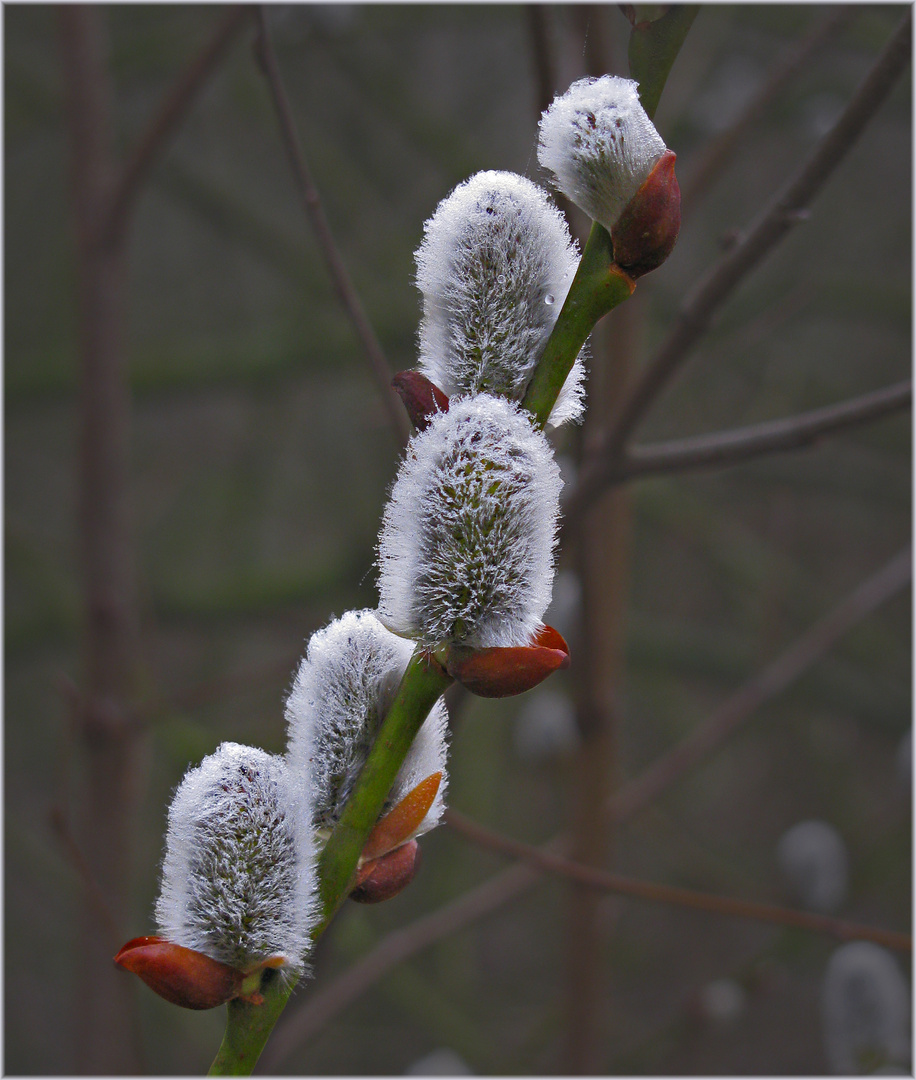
(311, 203)
(726, 448)
(633, 796)
(788, 209)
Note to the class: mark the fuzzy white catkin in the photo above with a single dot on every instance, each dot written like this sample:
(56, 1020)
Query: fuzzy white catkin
(600, 145)
(494, 268)
(238, 877)
(865, 1005)
(466, 551)
(813, 859)
(340, 695)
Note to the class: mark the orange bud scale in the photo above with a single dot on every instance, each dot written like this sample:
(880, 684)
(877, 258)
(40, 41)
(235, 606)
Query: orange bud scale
(400, 823)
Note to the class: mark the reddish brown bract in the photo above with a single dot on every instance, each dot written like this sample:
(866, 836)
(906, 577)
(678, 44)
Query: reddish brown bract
(384, 878)
(183, 976)
(502, 672)
(647, 230)
(422, 398)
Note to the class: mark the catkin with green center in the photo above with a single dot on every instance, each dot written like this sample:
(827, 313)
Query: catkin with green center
(494, 268)
(466, 551)
(238, 876)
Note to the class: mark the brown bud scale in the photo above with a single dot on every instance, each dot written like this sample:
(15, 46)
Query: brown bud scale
(646, 232)
(388, 875)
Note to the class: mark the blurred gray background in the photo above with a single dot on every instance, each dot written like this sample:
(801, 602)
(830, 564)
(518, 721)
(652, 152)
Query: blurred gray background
(260, 458)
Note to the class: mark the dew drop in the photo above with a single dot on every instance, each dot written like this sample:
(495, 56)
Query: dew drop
(501, 279)
(549, 298)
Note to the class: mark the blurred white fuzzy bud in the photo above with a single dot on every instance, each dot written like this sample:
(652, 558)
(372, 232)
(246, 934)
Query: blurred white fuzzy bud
(443, 1062)
(723, 1000)
(815, 864)
(494, 268)
(466, 551)
(600, 145)
(865, 1005)
(545, 727)
(341, 693)
(238, 877)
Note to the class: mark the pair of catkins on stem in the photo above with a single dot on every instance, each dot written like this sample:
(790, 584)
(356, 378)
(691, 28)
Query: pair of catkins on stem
(465, 559)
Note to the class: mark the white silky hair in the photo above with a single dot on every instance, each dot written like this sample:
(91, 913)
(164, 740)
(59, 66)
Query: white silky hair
(600, 145)
(238, 877)
(494, 268)
(341, 693)
(865, 1005)
(466, 550)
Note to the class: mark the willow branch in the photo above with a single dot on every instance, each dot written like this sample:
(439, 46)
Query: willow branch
(653, 48)
(795, 59)
(422, 685)
(170, 114)
(594, 878)
(248, 1026)
(311, 203)
(726, 448)
(785, 211)
(597, 288)
(111, 752)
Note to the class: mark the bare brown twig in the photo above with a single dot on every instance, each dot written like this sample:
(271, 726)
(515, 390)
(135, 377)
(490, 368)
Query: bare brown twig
(58, 815)
(795, 59)
(594, 878)
(726, 448)
(320, 1008)
(112, 751)
(311, 203)
(167, 119)
(328, 1001)
(786, 210)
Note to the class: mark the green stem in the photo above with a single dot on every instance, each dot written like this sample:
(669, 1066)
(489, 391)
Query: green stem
(598, 287)
(249, 1026)
(654, 48)
(423, 683)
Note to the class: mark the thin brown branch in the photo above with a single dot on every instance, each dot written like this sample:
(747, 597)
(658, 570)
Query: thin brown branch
(594, 878)
(58, 817)
(111, 621)
(321, 1007)
(311, 203)
(785, 211)
(170, 114)
(60, 824)
(602, 557)
(726, 448)
(330, 1000)
(767, 684)
(795, 59)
